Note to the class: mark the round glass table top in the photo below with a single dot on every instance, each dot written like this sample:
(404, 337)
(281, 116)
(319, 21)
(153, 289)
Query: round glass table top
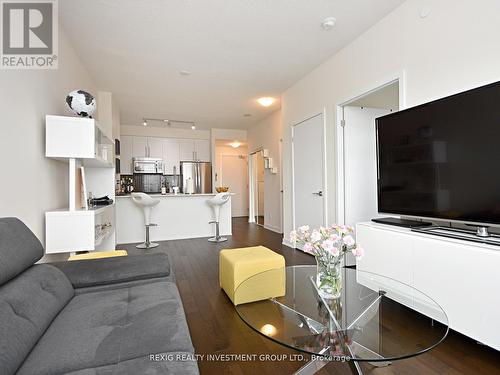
(375, 319)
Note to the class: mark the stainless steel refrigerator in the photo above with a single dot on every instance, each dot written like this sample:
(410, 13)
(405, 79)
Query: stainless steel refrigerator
(201, 174)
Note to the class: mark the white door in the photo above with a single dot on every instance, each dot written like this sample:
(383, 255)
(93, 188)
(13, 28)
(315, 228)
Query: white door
(186, 149)
(360, 164)
(126, 152)
(202, 149)
(155, 147)
(140, 147)
(234, 173)
(308, 173)
(171, 156)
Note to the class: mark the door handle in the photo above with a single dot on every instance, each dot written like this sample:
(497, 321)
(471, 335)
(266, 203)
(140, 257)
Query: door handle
(319, 193)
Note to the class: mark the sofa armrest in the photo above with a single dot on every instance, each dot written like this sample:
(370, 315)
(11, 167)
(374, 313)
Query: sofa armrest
(95, 272)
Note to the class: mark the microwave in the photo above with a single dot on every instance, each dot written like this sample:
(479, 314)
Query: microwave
(147, 165)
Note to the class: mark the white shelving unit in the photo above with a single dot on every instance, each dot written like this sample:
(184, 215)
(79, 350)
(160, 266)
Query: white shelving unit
(81, 142)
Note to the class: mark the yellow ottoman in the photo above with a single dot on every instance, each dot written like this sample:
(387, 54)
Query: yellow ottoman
(99, 254)
(237, 265)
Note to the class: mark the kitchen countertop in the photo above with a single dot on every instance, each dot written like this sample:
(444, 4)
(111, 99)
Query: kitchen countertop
(170, 195)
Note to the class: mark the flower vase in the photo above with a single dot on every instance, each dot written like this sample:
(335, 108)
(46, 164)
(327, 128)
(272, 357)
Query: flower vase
(329, 278)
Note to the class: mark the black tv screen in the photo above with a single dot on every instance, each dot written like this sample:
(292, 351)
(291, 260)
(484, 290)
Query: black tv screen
(442, 159)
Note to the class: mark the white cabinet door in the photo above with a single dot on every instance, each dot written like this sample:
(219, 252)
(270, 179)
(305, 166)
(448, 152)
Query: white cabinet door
(202, 149)
(126, 152)
(155, 147)
(171, 156)
(464, 280)
(140, 147)
(387, 253)
(186, 149)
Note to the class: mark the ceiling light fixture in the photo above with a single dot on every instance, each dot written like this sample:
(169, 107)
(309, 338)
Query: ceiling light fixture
(328, 23)
(184, 72)
(169, 122)
(265, 101)
(235, 144)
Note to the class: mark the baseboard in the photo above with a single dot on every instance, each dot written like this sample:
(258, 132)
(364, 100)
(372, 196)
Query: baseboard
(273, 228)
(287, 242)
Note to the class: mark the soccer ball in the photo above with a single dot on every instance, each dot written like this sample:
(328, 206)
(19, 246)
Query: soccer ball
(81, 103)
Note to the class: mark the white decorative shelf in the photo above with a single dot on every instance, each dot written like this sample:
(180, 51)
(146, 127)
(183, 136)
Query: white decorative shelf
(69, 231)
(269, 162)
(77, 138)
(81, 143)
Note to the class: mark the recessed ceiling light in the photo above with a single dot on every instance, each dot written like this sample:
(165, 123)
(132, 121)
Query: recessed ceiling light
(265, 101)
(193, 127)
(166, 120)
(145, 123)
(247, 115)
(184, 72)
(235, 144)
(328, 23)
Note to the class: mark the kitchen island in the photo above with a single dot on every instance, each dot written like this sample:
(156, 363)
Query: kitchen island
(178, 216)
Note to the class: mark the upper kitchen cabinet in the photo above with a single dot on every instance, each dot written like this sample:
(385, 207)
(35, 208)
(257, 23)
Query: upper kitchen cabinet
(202, 149)
(155, 148)
(126, 154)
(147, 147)
(171, 156)
(194, 149)
(140, 147)
(186, 150)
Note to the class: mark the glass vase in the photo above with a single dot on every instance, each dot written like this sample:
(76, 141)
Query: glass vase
(329, 278)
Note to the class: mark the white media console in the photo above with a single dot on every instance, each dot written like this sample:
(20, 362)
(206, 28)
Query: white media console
(462, 276)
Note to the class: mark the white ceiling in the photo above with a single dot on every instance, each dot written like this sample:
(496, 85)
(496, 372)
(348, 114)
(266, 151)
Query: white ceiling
(236, 51)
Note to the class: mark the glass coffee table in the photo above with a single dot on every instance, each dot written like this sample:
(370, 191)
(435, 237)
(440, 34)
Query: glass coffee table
(375, 320)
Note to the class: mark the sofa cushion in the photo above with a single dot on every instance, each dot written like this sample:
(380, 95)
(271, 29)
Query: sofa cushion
(19, 248)
(144, 365)
(109, 327)
(95, 272)
(28, 304)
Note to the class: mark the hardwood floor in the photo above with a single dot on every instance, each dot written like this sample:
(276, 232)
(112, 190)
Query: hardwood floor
(216, 328)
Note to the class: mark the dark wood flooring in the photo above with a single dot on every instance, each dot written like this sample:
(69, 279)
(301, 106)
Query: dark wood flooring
(217, 329)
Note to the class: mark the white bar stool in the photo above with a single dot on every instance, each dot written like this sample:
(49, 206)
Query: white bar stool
(146, 203)
(216, 202)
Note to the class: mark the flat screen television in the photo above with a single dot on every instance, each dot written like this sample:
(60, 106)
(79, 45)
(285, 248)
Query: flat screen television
(441, 159)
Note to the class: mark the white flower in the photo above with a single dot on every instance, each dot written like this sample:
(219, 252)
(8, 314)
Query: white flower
(303, 228)
(315, 236)
(349, 241)
(293, 236)
(335, 237)
(308, 248)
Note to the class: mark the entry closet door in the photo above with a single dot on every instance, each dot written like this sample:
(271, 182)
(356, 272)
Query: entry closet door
(308, 173)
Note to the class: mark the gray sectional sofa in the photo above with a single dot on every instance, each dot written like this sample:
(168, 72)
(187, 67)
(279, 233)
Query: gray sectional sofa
(90, 317)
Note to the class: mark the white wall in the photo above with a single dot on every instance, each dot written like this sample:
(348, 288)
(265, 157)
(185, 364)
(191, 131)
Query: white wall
(267, 134)
(32, 184)
(454, 49)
